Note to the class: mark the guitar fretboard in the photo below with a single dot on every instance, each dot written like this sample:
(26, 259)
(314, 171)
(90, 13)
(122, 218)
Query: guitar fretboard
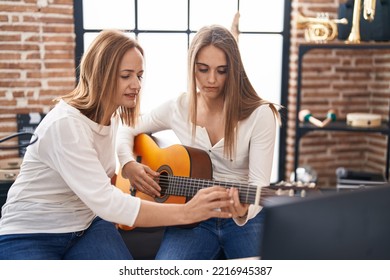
(188, 187)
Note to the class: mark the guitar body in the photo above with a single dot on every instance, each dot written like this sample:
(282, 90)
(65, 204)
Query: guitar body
(174, 160)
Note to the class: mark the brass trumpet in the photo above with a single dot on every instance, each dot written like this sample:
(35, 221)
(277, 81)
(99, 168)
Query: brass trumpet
(319, 29)
(368, 14)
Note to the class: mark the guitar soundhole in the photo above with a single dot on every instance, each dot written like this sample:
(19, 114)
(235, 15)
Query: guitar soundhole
(163, 182)
(165, 171)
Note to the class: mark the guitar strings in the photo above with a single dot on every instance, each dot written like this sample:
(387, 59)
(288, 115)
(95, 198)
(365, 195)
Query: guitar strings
(195, 183)
(189, 186)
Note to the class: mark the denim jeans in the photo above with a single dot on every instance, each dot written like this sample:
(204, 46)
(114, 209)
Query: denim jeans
(101, 241)
(212, 239)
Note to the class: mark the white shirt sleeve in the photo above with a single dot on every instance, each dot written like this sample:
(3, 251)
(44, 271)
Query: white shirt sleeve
(75, 155)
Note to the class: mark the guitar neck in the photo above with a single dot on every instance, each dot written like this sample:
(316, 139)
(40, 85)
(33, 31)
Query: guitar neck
(188, 187)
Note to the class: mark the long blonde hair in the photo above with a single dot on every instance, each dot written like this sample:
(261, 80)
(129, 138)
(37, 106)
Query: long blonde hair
(97, 86)
(240, 98)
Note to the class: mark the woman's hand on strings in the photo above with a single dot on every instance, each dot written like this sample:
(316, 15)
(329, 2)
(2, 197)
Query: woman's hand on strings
(237, 209)
(142, 178)
(208, 203)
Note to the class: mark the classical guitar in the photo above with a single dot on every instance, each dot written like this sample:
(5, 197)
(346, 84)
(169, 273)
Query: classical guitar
(185, 170)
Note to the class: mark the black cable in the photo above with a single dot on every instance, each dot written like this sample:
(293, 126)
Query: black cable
(20, 145)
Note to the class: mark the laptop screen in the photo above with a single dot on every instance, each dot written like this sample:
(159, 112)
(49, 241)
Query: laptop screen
(339, 225)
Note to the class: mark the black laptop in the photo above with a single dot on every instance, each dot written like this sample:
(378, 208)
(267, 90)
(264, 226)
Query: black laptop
(348, 225)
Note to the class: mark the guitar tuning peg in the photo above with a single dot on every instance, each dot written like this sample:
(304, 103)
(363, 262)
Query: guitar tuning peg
(303, 193)
(291, 192)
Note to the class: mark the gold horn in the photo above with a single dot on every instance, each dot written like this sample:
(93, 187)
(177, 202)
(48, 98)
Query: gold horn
(368, 14)
(320, 28)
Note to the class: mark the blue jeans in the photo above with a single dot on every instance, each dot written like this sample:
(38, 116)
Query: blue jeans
(101, 241)
(213, 239)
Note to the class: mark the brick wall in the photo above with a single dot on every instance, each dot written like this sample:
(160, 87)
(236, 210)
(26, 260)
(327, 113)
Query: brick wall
(343, 80)
(37, 44)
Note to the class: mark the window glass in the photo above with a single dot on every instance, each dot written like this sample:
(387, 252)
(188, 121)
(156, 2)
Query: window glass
(162, 15)
(262, 58)
(205, 12)
(101, 14)
(166, 68)
(261, 15)
(88, 38)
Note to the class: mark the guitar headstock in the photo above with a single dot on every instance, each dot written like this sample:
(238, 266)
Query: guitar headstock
(295, 188)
